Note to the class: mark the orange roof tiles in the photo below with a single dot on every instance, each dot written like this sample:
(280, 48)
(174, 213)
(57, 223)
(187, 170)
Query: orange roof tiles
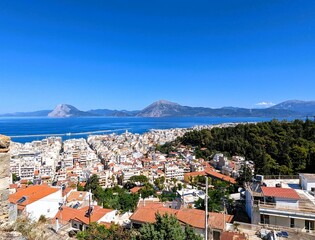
(216, 220)
(192, 217)
(67, 214)
(76, 196)
(280, 192)
(135, 189)
(220, 176)
(32, 194)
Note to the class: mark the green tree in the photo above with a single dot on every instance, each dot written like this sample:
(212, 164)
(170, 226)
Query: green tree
(167, 227)
(139, 178)
(15, 177)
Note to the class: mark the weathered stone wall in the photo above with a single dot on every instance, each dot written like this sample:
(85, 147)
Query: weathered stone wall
(4, 186)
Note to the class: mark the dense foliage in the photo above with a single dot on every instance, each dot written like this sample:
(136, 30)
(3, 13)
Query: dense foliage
(275, 147)
(100, 232)
(167, 227)
(115, 198)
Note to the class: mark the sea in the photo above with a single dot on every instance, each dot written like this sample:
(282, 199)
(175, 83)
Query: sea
(36, 128)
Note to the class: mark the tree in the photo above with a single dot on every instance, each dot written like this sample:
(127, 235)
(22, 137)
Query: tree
(167, 227)
(147, 190)
(245, 175)
(15, 177)
(100, 232)
(139, 178)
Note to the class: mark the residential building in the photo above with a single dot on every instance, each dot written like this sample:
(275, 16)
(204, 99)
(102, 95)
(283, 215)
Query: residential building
(281, 204)
(80, 218)
(307, 181)
(193, 217)
(37, 200)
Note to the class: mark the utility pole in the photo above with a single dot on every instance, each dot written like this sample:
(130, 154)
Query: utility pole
(89, 210)
(206, 204)
(224, 215)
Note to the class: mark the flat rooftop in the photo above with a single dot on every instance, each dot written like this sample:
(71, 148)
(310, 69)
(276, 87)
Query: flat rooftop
(285, 183)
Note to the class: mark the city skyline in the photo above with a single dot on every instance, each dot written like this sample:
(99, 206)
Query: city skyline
(123, 55)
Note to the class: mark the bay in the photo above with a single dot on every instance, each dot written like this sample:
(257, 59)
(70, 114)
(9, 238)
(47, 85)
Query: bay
(43, 127)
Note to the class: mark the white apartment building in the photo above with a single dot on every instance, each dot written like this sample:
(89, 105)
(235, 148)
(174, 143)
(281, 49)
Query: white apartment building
(173, 171)
(285, 205)
(307, 181)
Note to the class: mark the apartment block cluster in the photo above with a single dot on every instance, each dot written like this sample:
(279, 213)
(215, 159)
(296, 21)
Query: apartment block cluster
(36, 160)
(128, 154)
(232, 167)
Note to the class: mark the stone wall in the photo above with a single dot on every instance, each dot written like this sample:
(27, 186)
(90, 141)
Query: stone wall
(4, 186)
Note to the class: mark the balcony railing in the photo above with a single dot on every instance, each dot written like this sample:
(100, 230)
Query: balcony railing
(298, 208)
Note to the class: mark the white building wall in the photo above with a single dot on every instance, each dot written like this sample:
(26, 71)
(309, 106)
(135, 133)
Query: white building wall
(47, 206)
(287, 203)
(109, 217)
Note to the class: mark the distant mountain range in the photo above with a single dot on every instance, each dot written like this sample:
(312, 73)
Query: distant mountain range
(163, 108)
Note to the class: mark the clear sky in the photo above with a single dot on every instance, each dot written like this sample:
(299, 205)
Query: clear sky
(126, 54)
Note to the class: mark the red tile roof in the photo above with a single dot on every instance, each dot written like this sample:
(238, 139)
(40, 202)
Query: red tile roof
(67, 214)
(280, 192)
(77, 196)
(135, 189)
(192, 217)
(32, 194)
(220, 176)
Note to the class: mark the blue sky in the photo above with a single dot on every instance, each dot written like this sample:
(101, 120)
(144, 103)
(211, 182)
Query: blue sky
(127, 54)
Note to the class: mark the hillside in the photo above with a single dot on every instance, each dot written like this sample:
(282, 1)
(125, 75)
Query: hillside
(66, 110)
(275, 147)
(163, 108)
(305, 107)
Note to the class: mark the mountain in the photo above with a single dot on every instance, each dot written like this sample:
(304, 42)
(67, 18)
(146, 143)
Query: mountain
(41, 113)
(164, 108)
(66, 110)
(304, 107)
(161, 108)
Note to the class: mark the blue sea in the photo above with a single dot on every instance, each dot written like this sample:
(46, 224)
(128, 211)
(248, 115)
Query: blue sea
(30, 129)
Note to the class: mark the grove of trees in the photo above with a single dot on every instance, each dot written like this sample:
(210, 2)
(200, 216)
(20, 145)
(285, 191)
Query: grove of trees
(276, 147)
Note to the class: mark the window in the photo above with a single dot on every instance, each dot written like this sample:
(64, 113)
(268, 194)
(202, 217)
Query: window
(292, 222)
(264, 219)
(309, 225)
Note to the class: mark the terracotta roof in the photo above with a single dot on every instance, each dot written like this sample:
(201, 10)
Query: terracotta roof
(216, 220)
(192, 217)
(233, 236)
(220, 176)
(280, 192)
(32, 194)
(146, 214)
(76, 196)
(135, 189)
(67, 214)
(13, 185)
